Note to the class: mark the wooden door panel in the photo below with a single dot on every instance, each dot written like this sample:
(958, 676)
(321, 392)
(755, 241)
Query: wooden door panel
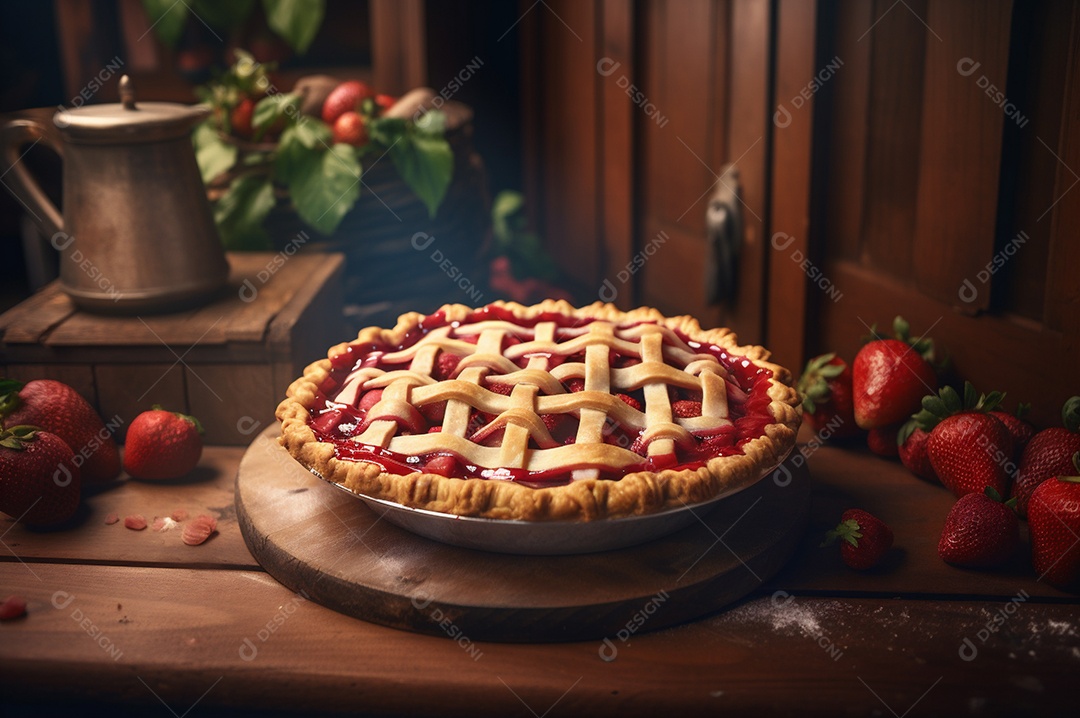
(958, 169)
(989, 167)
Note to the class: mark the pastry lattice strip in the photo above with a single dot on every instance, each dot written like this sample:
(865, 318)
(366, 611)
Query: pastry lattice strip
(520, 413)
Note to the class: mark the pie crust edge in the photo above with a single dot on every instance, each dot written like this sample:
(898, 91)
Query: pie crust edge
(634, 494)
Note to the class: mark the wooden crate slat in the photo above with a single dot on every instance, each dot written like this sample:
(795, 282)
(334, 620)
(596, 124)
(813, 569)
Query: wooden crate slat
(127, 390)
(31, 320)
(227, 399)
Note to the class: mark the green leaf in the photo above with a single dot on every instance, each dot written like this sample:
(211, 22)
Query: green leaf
(951, 400)
(271, 108)
(427, 166)
(167, 18)
(936, 405)
(901, 328)
(808, 405)
(241, 211)
(387, 131)
(971, 397)
(295, 21)
(907, 430)
(432, 122)
(992, 494)
(324, 185)
(312, 133)
(213, 154)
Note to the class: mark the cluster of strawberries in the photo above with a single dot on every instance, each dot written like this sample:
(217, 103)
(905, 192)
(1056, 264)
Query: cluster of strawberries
(52, 443)
(964, 442)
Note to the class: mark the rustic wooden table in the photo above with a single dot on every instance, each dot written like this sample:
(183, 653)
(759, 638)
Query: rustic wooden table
(121, 617)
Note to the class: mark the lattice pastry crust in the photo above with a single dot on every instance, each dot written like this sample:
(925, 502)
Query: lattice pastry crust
(531, 391)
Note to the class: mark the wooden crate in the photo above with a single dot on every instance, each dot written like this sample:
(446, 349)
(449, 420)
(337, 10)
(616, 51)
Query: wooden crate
(228, 362)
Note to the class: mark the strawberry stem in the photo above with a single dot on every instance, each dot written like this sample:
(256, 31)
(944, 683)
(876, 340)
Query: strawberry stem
(186, 417)
(846, 531)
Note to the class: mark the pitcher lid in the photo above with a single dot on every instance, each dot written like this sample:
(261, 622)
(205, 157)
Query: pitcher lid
(128, 121)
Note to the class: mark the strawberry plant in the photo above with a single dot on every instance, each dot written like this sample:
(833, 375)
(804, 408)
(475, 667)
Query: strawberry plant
(257, 150)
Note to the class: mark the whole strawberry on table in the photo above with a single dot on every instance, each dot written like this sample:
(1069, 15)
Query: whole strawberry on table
(1054, 523)
(59, 409)
(162, 444)
(968, 447)
(890, 375)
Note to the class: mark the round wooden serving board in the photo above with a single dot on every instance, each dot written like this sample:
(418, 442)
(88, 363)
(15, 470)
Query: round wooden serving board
(326, 543)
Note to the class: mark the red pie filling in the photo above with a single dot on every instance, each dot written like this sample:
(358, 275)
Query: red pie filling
(336, 423)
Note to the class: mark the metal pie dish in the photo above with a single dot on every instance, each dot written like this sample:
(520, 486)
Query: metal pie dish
(546, 538)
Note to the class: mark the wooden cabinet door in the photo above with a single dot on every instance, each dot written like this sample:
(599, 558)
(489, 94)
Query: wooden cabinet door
(945, 154)
(634, 109)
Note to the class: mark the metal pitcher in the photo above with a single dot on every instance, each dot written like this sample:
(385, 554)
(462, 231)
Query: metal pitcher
(136, 234)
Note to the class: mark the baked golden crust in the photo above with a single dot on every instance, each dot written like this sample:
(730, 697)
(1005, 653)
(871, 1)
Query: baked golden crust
(636, 493)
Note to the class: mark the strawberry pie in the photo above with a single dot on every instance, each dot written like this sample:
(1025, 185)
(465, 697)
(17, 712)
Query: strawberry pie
(542, 412)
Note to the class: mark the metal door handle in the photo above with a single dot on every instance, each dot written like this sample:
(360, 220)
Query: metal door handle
(724, 236)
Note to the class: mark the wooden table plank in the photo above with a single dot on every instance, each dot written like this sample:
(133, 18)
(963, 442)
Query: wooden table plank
(209, 490)
(31, 320)
(121, 631)
(916, 510)
(228, 319)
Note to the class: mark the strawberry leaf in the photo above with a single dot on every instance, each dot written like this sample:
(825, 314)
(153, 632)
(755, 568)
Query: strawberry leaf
(951, 401)
(907, 430)
(992, 494)
(902, 329)
(1022, 410)
(1070, 414)
(846, 531)
(808, 405)
(17, 437)
(971, 397)
(936, 405)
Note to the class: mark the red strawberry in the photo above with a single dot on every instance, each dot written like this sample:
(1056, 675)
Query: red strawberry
(575, 385)
(636, 405)
(241, 118)
(890, 376)
(445, 365)
(59, 409)
(560, 426)
(498, 388)
(370, 398)
(912, 441)
(1054, 520)
(1020, 430)
(828, 406)
(346, 97)
(968, 448)
(349, 130)
(683, 408)
(384, 102)
(1048, 454)
(12, 607)
(39, 480)
(882, 441)
(162, 445)
(442, 465)
(434, 413)
(865, 539)
(980, 531)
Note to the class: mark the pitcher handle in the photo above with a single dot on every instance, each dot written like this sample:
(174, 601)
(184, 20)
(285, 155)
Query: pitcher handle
(13, 137)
